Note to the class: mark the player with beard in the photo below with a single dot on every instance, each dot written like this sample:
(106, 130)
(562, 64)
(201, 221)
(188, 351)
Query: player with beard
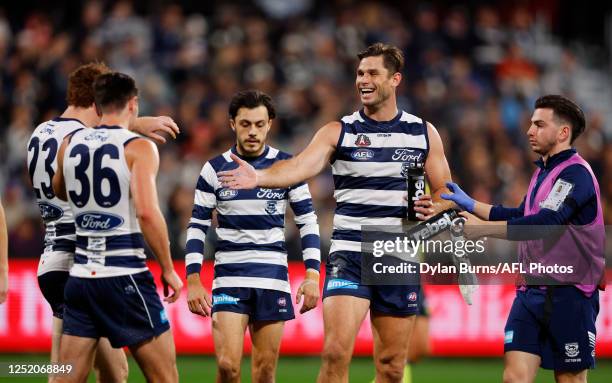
(369, 152)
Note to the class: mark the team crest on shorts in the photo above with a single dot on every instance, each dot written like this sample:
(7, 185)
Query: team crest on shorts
(571, 350)
(412, 296)
(271, 207)
(282, 301)
(363, 140)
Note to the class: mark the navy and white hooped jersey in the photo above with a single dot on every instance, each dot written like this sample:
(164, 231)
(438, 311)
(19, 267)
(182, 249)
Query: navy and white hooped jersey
(251, 241)
(109, 241)
(369, 168)
(56, 214)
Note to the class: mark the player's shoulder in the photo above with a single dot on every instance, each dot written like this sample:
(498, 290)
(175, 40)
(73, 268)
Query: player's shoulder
(410, 118)
(218, 163)
(352, 118)
(277, 154)
(57, 128)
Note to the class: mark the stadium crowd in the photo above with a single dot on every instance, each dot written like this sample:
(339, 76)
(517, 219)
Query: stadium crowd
(474, 72)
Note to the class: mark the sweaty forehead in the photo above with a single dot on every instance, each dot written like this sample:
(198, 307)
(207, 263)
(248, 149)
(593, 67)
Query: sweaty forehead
(259, 113)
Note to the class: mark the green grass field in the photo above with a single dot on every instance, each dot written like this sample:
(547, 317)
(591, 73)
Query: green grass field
(201, 369)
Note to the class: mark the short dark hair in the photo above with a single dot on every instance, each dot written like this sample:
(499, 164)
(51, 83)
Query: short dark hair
(251, 99)
(80, 84)
(566, 110)
(113, 90)
(393, 57)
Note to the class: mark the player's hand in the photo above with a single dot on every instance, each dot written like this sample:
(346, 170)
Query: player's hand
(424, 207)
(198, 298)
(170, 279)
(459, 197)
(152, 126)
(243, 177)
(3, 286)
(309, 289)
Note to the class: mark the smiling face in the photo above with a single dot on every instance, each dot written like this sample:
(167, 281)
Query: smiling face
(251, 127)
(374, 82)
(547, 134)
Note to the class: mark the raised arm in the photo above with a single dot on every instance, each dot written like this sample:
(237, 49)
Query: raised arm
(437, 170)
(143, 162)
(310, 162)
(58, 183)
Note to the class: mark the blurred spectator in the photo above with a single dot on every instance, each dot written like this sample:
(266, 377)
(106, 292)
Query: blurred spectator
(470, 70)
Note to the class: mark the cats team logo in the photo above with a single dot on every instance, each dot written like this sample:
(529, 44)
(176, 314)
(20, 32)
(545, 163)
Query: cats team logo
(363, 140)
(271, 207)
(571, 350)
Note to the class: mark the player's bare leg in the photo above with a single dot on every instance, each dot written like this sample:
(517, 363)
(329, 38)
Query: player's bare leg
(419, 341)
(78, 352)
(228, 335)
(342, 317)
(520, 367)
(571, 376)
(156, 357)
(266, 337)
(110, 364)
(56, 336)
(391, 334)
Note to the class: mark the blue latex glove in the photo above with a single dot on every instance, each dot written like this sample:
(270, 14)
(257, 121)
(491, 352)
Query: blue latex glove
(459, 197)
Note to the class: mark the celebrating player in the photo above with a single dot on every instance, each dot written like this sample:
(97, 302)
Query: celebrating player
(251, 286)
(3, 257)
(552, 322)
(107, 174)
(370, 151)
(57, 257)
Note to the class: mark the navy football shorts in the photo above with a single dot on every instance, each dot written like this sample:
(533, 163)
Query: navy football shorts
(558, 324)
(258, 304)
(343, 277)
(125, 309)
(52, 284)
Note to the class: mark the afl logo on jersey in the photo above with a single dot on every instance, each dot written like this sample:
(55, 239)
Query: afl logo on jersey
(94, 221)
(271, 207)
(362, 154)
(226, 194)
(50, 212)
(363, 140)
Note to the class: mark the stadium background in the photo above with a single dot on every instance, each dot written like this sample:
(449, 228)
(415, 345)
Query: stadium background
(473, 70)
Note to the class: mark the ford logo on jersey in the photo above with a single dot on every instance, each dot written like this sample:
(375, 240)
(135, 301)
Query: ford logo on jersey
(95, 221)
(406, 155)
(271, 194)
(226, 194)
(362, 154)
(49, 212)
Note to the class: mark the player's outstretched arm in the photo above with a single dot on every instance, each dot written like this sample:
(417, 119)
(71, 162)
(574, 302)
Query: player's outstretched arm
(310, 162)
(58, 183)
(152, 126)
(143, 161)
(437, 170)
(3, 257)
